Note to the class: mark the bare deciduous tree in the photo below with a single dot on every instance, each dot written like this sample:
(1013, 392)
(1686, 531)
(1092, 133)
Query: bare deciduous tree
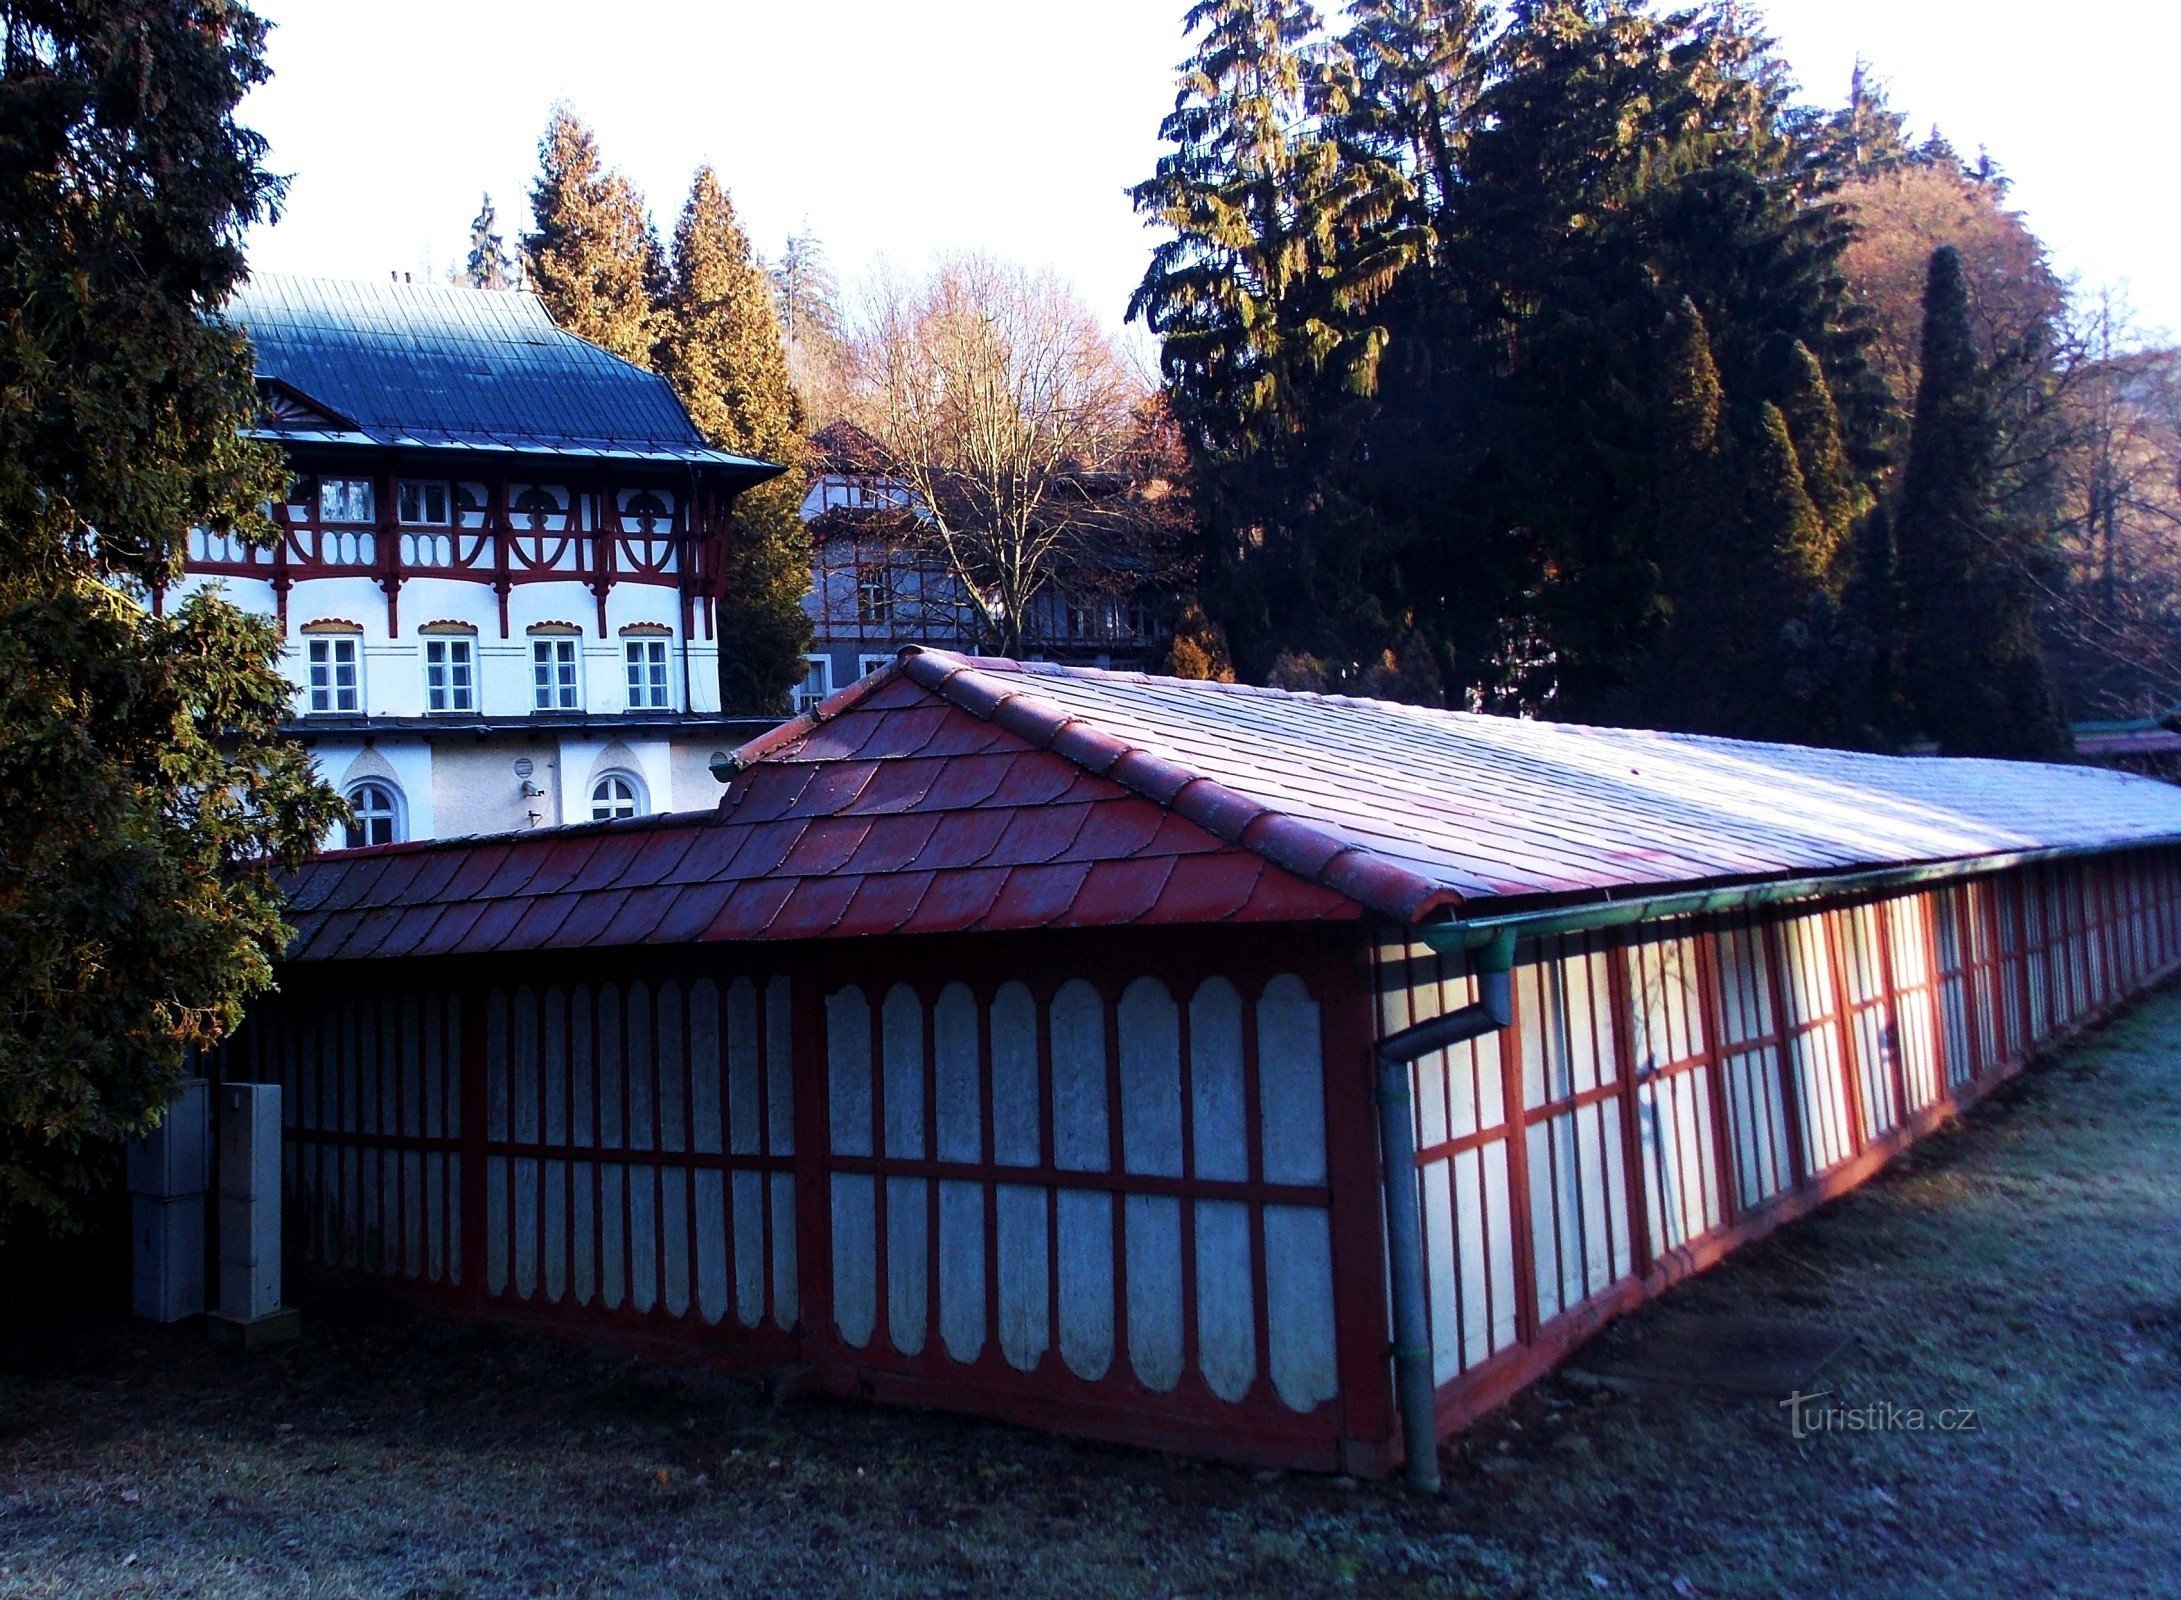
(1013, 422)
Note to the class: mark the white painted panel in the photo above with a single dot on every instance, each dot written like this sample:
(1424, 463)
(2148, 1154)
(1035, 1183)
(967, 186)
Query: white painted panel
(496, 1093)
(908, 1262)
(1015, 1139)
(961, 1268)
(779, 1068)
(1024, 1271)
(1226, 1301)
(706, 1069)
(435, 1216)
(743, 1132)
(643, 1237)
(439, 1019)
(412, 1193)
(583, 1178)
(1086, 1281)
(855, 1257)
(1443, 1267)
(643, 1083)
(1080, 1138)
(412, 1075)
(1220, 1119)
(1291, 1083)
(848, 1071)
(674, 1240)
(784, 1304)
(582, 1071)
(954, 1069)
(555, 1266)
(673, 1067)
(1500, 1252)
(496, 1241)
(1149, 1025)
(901, 1026)
(613, 1264)
(1152, 1224)
(1299, 1305)
(612, 1090)
(453, 1233)
(749, 1237)
(553, 1063)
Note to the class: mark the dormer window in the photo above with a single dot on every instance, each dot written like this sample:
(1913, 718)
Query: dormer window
(424, 504)
(347, 500)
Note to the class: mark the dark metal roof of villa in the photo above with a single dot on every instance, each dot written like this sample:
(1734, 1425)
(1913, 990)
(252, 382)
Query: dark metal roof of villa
(441, 367)
(949, 794)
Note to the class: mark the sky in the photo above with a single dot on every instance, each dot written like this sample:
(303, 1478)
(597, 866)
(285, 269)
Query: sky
(899, 129)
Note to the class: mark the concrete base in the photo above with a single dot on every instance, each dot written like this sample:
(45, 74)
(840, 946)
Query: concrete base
(260, 1333)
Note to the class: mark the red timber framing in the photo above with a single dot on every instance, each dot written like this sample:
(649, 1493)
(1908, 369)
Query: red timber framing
(1668, 1092)
(599, 535)
(1116, 1183)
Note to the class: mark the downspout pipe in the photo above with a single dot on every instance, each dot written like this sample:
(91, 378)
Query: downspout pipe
(1415, 1392)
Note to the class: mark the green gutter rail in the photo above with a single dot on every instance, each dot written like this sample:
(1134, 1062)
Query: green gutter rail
(1476, 932)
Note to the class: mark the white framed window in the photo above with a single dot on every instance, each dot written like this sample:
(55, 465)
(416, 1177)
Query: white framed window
(450, 672)
(335, 665)
(875, 596)
(817, 682)
(425, 504)
(617, 794)
(347, 500)
(868, 664)
(555, 665)
(375, 815)
(645, 659)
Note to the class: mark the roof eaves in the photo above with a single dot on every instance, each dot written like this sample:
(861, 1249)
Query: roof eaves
(1315, 854)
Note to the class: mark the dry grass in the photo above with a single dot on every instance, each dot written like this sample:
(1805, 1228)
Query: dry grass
(2028, 1265)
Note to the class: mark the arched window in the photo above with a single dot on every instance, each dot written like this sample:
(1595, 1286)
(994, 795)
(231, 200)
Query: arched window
(617, 794)
(377, 815)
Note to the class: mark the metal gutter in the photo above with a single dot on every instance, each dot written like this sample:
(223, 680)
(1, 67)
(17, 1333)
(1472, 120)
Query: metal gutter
(1469, 933)
(1415, 1385)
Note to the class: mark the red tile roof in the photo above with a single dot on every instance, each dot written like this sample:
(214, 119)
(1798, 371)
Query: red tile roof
(948, 794)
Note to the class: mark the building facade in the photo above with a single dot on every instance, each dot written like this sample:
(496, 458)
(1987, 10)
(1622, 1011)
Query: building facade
(875, 588)
(496, 564)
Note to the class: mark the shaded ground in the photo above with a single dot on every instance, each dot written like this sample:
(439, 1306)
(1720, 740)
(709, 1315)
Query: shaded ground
(2027, 1265)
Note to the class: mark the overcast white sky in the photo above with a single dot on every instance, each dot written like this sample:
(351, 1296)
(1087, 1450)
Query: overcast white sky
(905, 127)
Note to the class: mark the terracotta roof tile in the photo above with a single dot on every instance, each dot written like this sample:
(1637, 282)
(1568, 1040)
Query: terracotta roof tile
(944, 793)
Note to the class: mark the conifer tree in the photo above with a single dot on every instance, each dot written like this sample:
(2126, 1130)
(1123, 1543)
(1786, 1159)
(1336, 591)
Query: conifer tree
(488, 265)
(148, 794)
(1972, 668)
(1405, 91)
(593, 256)
(1813, 424)
(1283, 243)
(720, 348)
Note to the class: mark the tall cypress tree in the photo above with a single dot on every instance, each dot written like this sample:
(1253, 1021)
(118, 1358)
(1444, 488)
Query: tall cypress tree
(593, 256)
(1283, 241)
(488, 265)
(720, 347)
(1972, 669)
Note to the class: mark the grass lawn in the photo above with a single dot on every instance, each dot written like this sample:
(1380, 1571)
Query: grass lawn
(2026, 1265)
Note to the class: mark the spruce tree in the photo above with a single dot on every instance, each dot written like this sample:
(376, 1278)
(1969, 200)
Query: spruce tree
(1972, 668)
(148, 794)
(593, 256)
(488, 265)
(1406, 89)
(1283, 243)
(721, 349)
